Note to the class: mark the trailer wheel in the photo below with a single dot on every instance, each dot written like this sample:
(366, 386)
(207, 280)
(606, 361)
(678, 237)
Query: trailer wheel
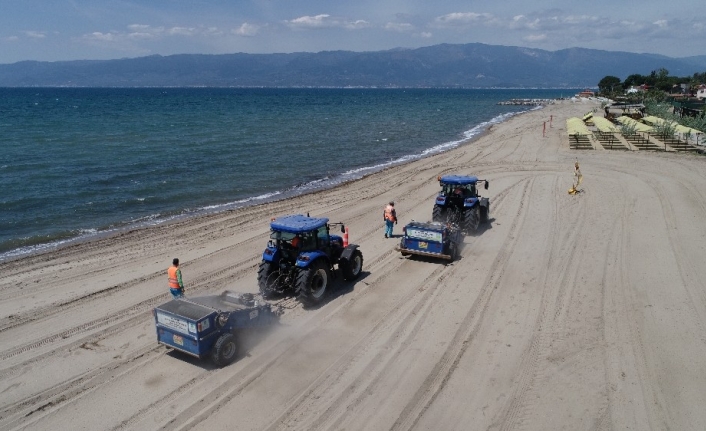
(225, 350)
(313, 282)
(453, 251)
(352, 268)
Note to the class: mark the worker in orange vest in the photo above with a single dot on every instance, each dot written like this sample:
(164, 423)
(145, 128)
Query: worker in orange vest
(176, 286)
(390, 218)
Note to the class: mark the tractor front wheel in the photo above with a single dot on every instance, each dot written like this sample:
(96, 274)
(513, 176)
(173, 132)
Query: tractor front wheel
(351, 268)
(484, 214)
(225, 350)
(313, 283)
(437, 213)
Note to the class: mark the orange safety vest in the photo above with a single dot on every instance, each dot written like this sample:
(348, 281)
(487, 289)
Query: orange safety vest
(389, 213)
(173, 279)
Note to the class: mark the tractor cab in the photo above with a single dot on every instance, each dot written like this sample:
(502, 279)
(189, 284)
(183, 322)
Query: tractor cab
(459, 202)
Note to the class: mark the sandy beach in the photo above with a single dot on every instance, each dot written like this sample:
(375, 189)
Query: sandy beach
(583, 312)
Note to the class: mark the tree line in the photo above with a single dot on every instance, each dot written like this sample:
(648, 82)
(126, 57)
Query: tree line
(659, 80)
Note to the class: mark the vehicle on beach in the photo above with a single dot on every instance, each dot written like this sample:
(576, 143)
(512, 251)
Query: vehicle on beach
(300, 258)
(212, 326)
(459, 203)
(432, 239)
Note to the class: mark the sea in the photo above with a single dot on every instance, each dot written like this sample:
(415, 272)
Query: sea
(77, 163)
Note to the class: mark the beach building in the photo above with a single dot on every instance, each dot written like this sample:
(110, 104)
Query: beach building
(701, 92)
(586, 93)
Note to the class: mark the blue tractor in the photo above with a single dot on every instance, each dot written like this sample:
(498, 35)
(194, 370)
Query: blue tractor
(459, 203)
(300, 258)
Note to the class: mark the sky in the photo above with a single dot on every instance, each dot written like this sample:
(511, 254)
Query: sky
(59, 30)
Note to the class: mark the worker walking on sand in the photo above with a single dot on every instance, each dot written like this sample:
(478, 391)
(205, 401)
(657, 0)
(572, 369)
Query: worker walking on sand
(390, 218)
(176, 285)
(577, 179)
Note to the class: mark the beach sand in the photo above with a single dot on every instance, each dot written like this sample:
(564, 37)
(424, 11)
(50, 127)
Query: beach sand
(564, 312)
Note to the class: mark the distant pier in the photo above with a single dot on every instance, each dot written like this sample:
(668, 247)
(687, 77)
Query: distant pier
(528, 102)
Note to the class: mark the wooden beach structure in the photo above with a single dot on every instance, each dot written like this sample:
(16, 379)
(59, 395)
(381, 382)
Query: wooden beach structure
(579, 135)
(609, 135)
(629, 134)
(641, 138)
(678, 141)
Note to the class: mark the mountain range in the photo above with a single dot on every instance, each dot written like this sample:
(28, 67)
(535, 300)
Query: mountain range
(471, 65)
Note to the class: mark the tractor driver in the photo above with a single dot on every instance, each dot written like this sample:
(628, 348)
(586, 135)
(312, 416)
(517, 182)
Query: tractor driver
(296, 241)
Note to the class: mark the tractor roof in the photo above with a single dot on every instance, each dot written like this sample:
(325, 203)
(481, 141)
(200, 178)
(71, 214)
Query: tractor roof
(297, 223)
(460, 180)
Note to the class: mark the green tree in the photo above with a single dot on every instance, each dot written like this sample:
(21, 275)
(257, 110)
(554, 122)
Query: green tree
(609, 84)
(634, 80)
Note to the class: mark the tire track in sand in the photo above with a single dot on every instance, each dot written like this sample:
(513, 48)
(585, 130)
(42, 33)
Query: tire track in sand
(441, 373)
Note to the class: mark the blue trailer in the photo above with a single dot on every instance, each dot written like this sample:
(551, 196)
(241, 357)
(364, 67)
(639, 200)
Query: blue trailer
(210, 326)
(432, 239)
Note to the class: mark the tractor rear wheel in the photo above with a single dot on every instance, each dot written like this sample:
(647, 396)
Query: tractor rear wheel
(266, 283)
(471, 218)
(313, 283)
(352, 268)
(225, 350)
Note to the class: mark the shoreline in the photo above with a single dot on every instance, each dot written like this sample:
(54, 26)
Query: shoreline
(96, 234)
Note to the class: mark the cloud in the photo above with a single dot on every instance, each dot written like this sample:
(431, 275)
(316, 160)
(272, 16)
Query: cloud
(533, 38)
(326, 21)
(401, 27)
(142, 31)
(141, 35)
(35, 34)
(462, 19)
(98, 36)
(355, 25)
(12, 38)
(318, 21)
(138, 27)
(182, 31)
(137, 32)
(246, 29)
(212, 31)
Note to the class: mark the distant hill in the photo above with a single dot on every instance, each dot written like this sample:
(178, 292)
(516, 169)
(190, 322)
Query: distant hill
(472, 65)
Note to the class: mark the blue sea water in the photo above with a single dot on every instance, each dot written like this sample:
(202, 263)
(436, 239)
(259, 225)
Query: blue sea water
(80, 162)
